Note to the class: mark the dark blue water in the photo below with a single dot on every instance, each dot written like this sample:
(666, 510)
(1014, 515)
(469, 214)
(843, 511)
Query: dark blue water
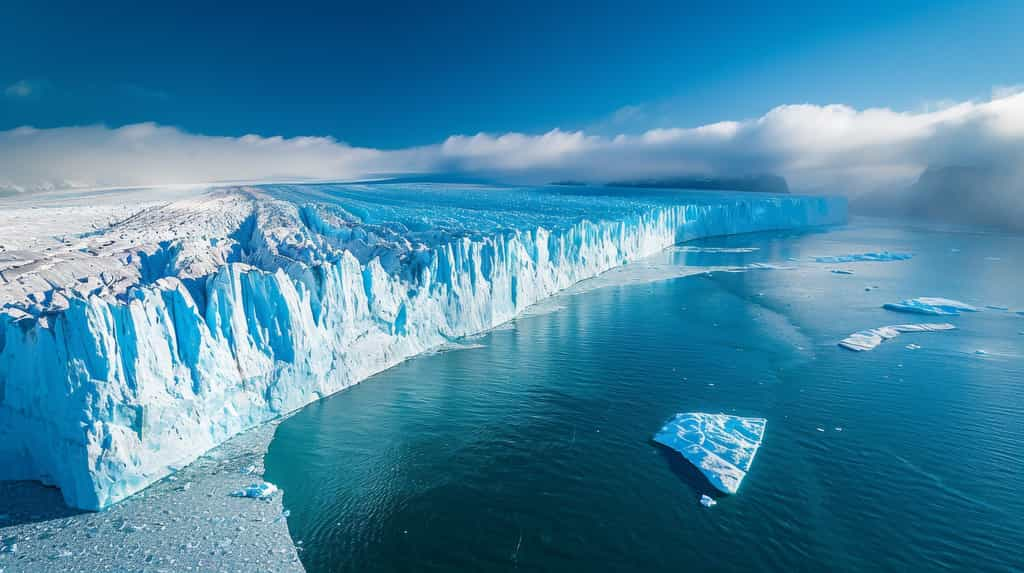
(533, 452)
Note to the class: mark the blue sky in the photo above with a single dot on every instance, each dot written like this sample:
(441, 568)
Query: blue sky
(396, 74)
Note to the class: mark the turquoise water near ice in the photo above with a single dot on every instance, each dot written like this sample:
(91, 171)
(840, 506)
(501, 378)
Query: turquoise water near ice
(530, 449)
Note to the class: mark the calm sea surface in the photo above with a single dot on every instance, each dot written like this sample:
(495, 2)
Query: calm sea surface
(530, 448)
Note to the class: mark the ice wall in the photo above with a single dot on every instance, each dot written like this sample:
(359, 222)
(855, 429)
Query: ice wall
(316, 290)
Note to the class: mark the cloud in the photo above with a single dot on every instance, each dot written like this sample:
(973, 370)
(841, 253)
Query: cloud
(827, 149)
(23, 89)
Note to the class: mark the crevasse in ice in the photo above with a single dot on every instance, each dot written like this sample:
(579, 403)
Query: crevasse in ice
(153, 340)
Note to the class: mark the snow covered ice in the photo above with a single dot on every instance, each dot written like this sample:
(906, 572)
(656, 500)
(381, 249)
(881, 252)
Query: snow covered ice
(930, 305)
(721, 446)
(163, 327)
(870, 339)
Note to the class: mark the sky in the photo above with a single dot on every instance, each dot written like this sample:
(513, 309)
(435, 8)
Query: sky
(393, 74)
(857, 98)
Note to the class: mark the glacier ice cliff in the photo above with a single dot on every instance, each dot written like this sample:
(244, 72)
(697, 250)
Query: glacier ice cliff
(128, 351)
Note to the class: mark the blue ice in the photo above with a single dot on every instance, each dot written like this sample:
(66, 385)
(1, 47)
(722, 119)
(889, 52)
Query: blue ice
(721, 446)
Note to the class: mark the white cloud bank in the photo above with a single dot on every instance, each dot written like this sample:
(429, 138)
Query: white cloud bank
(830, 149)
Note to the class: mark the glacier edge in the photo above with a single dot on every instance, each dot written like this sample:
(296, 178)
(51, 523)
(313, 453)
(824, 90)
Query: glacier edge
(109, 394)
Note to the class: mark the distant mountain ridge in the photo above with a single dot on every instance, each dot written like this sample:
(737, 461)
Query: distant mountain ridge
(991, 196)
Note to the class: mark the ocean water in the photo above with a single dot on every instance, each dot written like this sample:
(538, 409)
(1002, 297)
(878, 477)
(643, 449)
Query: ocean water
(529, 448)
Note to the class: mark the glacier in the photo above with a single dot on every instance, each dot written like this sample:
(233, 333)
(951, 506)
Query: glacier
(721, 446)
(129, 349)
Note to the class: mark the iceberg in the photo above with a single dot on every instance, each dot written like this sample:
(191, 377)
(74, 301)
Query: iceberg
(884, 256)
(721, 446)
(707, 501)
(930, 305)
(130, 349)
(869, 339)
(261, 490)
(716, 250)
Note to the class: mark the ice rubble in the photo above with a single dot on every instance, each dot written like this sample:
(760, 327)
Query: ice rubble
(129, 350)
(869, 339)
(721, 446)
(930, 305)
(884, 256)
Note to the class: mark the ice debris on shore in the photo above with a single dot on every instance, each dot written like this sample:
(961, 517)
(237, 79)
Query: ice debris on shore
(261, 490)
(930, 305)
(720, 446)
(869, 339)
(884, 256)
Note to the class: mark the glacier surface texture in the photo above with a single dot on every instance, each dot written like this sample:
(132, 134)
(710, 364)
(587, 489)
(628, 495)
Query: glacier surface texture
(129, 348)
(721, 446)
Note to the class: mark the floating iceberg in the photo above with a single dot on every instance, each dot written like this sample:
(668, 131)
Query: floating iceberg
(721, 446)
(715, 250)
(841, 272)
(884, 256)
(129, 350)
(871, 338)
(707, 501)
(930, 305)
(261, 490)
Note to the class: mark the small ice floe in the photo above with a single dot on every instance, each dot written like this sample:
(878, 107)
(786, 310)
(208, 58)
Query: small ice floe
(839, 428)
(993, 258)
(707, 501)
(820, 429)
(912, 346)
(980, 352)
(715, 250)
(262, 490)
(758, 267)
(841, 272)
(870, 339)
(954, 250)
(884, 256)
(930, 305)
(997, 307)
(720, 446)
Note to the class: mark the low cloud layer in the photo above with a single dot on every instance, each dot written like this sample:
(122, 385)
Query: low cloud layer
(825, 149)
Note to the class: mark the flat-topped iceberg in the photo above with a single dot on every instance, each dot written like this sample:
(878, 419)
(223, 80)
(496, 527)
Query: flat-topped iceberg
(869, 339)
(930, 305)
(129, 350)
(884, 256)
(721, 446)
